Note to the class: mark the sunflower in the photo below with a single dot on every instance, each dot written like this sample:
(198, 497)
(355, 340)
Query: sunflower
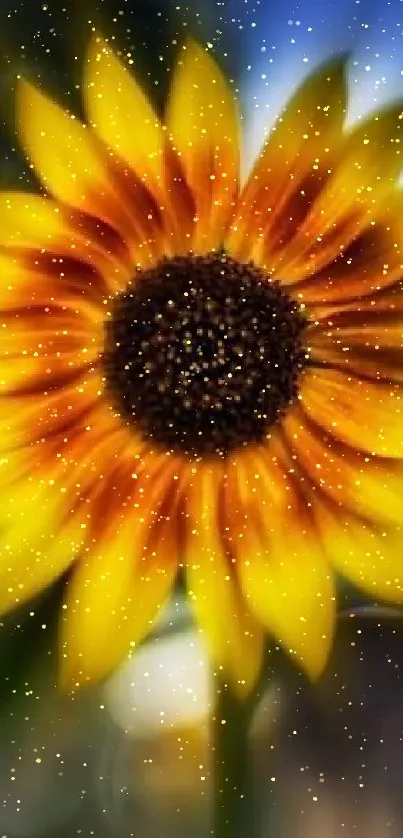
(200, 376)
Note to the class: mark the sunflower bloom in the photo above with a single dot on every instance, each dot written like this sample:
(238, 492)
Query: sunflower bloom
(198, 375)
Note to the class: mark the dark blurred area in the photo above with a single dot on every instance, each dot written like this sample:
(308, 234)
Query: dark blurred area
(133, 758)
(331, 757)
(46, 42)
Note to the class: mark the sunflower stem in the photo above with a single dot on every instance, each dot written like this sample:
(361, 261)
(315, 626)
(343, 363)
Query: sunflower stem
(233, 809)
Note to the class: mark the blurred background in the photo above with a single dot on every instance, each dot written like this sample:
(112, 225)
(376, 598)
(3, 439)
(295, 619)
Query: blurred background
(133, 757)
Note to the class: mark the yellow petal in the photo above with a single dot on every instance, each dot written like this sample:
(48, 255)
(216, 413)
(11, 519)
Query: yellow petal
(369, 486)
(49, 453)
(358, 191)
(293, 165)
(121, 114)
(43, 528)
(153, 182)
(36, 373)
(353, 266)
(116, 592)
(67, 159)
(97, 621)
(38, 547)
(58, 459)
(24, 289)
(289, 588)
(42, 342)
(202, 119)
(44, 350)
(69, 444)
(361, 343)
(26, 420)
(366, 415)
(29, 220)
(386, 302)
(280, 563)
(233, 636)
(52, 332)
(370, 163)
(30, 223)
(371, 558)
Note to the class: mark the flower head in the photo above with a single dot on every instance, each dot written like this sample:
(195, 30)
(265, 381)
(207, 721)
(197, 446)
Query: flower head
(200, 375)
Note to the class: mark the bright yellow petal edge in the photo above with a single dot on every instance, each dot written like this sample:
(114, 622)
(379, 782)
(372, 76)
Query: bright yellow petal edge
(258, 533)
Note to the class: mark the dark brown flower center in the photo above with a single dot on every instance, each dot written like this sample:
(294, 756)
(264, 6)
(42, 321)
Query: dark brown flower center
(203, 354)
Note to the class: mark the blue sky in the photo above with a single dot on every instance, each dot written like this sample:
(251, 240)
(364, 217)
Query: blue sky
(267, 46)
(276, 42)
